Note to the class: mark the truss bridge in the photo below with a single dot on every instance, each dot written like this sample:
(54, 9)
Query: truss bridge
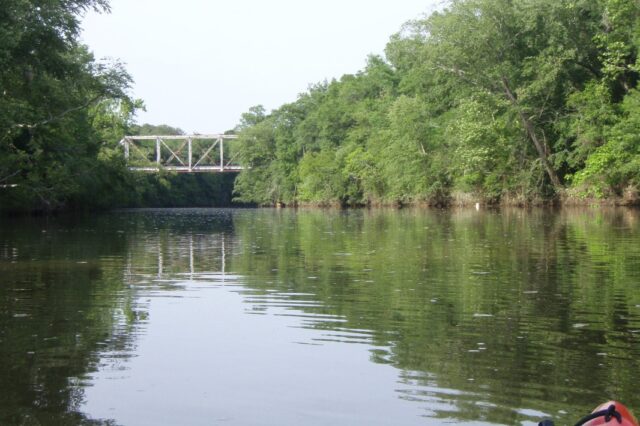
(182, 153)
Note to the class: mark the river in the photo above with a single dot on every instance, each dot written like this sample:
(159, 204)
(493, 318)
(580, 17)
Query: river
(317, 317)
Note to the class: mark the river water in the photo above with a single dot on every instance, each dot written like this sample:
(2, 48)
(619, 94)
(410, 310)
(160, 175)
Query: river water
(314, 317)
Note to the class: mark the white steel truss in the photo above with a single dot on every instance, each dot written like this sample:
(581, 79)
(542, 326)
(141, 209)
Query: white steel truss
(168, 154)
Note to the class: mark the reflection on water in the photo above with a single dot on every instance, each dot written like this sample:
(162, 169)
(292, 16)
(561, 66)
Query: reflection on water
(318, 317)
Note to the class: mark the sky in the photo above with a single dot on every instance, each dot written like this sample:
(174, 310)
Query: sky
(199, 64)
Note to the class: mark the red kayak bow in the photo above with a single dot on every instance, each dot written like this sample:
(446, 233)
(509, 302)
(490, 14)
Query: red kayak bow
(610, 413)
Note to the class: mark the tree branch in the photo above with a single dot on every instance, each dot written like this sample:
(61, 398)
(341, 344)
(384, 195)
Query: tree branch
(10, 176)
(540, 146)
(52, 118)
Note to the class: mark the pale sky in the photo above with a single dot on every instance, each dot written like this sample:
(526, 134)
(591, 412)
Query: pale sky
(199, 64)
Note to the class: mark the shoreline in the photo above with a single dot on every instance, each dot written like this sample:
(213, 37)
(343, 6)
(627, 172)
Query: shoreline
(472, 201)
(457, 201)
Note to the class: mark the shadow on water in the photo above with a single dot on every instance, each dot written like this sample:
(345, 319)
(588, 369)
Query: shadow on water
(499, 317)
(67, 307)
(62, 303)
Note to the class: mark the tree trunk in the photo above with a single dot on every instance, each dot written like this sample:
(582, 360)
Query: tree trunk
(529, 128)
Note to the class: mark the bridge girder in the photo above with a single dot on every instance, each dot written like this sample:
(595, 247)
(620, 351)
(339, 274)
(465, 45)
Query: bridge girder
(177, 161)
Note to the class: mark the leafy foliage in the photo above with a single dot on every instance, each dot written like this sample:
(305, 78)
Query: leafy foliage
(57, 106)
(517, 99)
(62, 114)
(501, 99)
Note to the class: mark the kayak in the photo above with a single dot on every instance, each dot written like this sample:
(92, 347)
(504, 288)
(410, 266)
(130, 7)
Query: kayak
(611, 413)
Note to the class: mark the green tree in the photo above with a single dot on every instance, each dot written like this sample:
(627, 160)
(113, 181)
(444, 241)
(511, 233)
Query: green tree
(500, 98)
(48, 84)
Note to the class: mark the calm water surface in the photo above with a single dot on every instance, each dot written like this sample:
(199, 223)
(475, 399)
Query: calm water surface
(278, 317)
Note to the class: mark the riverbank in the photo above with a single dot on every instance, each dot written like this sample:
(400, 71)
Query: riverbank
(568, 198)
(165, 197)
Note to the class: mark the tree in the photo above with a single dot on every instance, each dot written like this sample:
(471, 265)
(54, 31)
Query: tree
(501, 98)
(49, 84)
(522, 50)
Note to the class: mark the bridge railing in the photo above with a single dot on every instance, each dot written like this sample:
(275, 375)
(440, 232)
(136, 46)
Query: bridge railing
(181, 153)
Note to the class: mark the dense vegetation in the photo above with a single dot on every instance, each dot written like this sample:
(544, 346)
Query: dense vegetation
(61, 115)
(487, 100)
(58, 108)
(495, 100)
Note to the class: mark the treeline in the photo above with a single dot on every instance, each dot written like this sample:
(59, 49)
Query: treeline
(62, 113)
(515, 101)
(58, 108)
(512, 101)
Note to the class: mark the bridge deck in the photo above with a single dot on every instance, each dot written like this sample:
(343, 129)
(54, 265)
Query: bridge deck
(186, 169)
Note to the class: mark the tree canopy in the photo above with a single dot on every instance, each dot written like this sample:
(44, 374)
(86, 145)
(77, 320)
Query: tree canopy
(513, 101)
(58, 107)
(500, 100)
